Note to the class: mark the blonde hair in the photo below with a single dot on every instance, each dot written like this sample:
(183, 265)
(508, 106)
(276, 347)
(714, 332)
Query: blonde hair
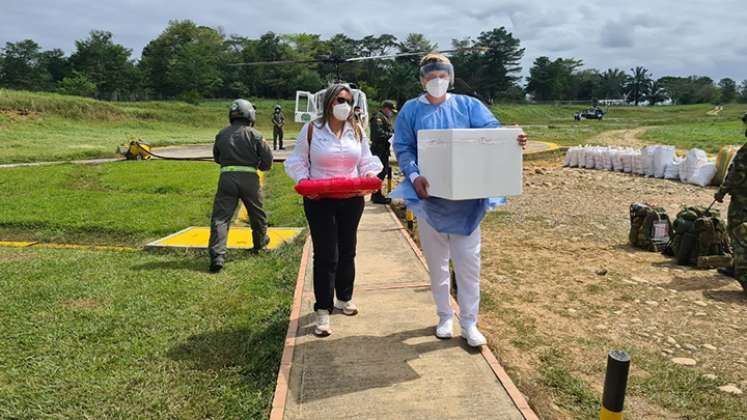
(434, 57)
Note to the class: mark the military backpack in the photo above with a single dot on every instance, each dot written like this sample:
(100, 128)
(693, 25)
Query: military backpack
(698, 232)
(649, 227)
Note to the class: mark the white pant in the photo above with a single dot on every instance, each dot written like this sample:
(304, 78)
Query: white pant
(464, 251)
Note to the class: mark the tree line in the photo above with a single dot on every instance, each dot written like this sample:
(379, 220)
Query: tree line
(190, 62)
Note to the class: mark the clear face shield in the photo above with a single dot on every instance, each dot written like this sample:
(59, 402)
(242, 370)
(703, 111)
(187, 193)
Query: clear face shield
(438, 69)
(437, 78)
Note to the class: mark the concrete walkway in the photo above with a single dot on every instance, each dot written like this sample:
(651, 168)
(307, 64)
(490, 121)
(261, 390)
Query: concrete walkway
(385, 363)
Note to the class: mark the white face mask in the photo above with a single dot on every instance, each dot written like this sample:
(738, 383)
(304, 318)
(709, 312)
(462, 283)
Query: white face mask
(341, 111)
(437, 87)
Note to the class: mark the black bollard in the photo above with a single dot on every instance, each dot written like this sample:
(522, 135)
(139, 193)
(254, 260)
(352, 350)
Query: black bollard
(615, 383)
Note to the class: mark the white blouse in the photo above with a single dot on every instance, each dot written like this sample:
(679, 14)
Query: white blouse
(346, 157)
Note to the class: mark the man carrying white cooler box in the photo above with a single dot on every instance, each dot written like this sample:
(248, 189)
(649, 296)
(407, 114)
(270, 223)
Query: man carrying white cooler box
(455, 157)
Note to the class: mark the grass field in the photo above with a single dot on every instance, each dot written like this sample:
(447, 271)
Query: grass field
(138, 335)
(41, 127)
(44, 127)
(92, 334)
(112, 335)
(122, 203)
(682, 126)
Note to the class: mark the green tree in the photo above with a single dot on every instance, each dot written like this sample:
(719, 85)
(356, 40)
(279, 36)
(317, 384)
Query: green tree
(728, 88)
(56, 65)
(636, 87)
(104, 63)
(77, 84)
(586, 85)
(612, 84)
(185, 59)
(690, 90)
(742, 98)
(553, 80)
(23, 67)
(655, 93)
(498, 62)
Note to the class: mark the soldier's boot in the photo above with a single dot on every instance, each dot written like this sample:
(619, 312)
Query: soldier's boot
(378, 198)
(216, 264)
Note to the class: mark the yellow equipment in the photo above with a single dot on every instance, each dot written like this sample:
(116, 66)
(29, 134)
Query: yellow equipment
(135, 150)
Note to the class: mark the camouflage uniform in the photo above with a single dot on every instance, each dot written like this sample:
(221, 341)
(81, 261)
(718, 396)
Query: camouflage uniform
(278, 121)
(735, 184)
(381, 131)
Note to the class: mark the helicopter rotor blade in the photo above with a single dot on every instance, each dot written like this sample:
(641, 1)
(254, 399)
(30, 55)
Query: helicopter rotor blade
(270, 63)
(407, 54)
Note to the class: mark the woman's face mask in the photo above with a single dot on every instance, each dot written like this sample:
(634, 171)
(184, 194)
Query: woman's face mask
(341, 111)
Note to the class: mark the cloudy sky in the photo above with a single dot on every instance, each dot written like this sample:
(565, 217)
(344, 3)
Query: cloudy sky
(668, 37)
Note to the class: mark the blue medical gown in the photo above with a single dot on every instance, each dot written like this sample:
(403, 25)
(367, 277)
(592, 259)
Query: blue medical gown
(460, 217)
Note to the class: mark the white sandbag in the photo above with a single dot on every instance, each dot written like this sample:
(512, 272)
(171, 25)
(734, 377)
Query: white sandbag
(571, 157)
(663, 156)
(647, 155)
(601, 158)
(695, 159)
(672, 170)
(614, 158)
(581, 157)
(627, 161)
(703, 175)
(638, 168)
(617, 160)
(590, 153)
(598, 158)
(608, 158)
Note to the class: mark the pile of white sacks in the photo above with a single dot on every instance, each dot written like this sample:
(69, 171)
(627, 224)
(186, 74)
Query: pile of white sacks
(653, 161)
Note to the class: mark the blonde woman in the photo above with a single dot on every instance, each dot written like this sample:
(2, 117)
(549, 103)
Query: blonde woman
(334, 146)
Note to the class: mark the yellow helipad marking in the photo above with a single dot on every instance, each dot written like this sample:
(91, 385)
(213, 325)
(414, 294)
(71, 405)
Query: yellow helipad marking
(12, 244)
(9, 244)
(239, 237)
(88, 247)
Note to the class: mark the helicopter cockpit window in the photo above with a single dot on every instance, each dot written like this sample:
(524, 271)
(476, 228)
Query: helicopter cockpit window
(303, 103)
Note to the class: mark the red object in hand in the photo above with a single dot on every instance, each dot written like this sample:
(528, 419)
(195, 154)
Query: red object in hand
(338, 187)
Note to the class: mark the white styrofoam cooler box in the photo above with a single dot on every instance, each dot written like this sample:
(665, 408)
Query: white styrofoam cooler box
(468, 163)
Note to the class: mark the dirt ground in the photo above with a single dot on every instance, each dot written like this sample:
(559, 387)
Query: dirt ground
(561, 287)
(628, 137)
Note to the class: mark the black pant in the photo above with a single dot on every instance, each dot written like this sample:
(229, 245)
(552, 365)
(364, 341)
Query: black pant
(383, 155)
(334, 233)
(277, 135)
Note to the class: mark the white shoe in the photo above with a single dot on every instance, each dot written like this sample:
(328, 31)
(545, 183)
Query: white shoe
(347, 307)
(322, 328)
(473, 336)
(445, 328)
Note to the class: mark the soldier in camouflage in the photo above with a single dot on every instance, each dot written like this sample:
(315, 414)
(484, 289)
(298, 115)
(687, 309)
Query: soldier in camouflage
(381, 131)
(735, 184)
(278, 122)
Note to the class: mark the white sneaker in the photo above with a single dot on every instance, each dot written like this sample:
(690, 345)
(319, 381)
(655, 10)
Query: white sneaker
(473, 336)
(322, 328)
(445, 328)
(347, 307)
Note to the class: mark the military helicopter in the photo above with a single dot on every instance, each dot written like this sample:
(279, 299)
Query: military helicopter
(309, 105)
